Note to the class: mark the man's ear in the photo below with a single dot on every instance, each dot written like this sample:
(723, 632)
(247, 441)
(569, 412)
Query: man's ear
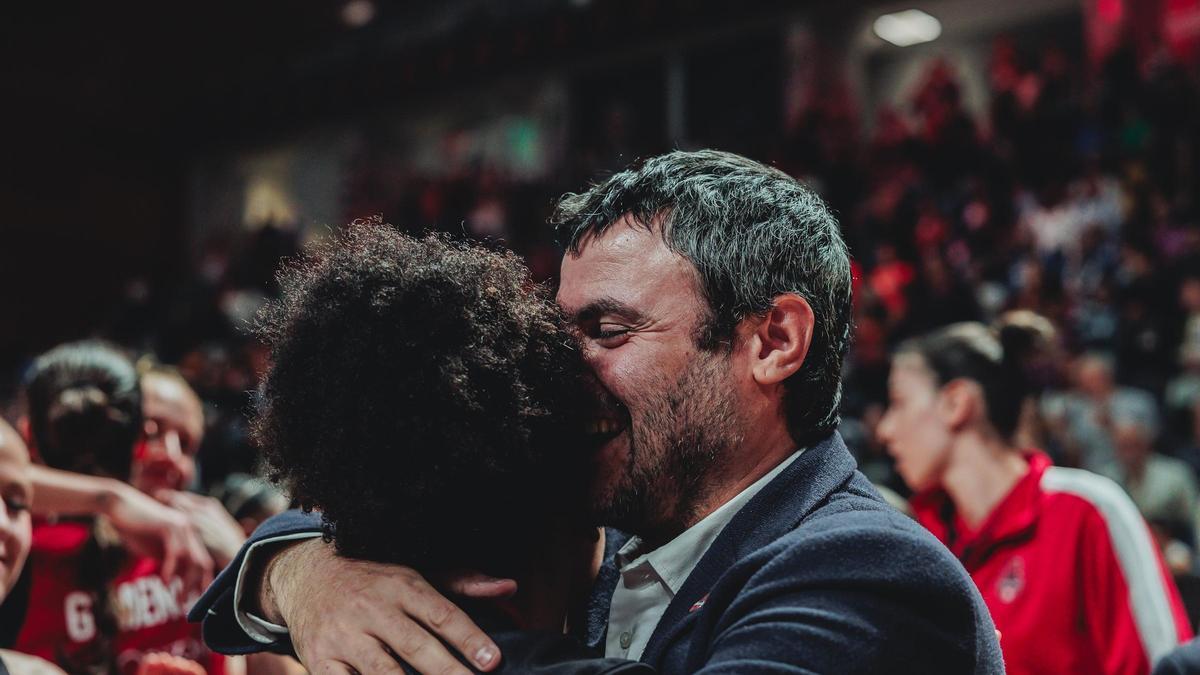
(780, 340)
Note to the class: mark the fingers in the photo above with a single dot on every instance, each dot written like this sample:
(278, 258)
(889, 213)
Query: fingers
(369, 616)
(332, 668)
(204, 563)
(170, 559)
(182, 500)
(165, 496)
(363, 654)
(161, 663)
(184, 556)
(409, 641)
(446, 620)
(194, 564)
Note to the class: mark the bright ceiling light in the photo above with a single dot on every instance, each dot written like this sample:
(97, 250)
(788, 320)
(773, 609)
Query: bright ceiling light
(910, 27)
(358, 13)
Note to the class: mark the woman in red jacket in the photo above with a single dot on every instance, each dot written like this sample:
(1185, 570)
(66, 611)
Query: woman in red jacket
(1064, 561)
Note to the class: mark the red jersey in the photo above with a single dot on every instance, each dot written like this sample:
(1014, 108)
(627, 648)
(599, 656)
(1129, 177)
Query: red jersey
(60, 625)
(1070, 573)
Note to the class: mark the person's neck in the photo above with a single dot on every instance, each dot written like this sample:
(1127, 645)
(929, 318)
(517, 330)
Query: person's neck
(983, 469)
(754, 458)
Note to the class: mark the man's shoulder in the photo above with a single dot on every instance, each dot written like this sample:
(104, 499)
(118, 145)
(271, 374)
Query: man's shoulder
(818, 570)
(1182, 660)
(855, 532)
(854, 584)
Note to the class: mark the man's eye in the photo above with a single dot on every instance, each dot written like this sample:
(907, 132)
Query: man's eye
(16, 504)
(611, 337)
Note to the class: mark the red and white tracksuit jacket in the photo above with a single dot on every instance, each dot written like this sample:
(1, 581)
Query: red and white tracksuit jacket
(1069, 570)
(60, 625)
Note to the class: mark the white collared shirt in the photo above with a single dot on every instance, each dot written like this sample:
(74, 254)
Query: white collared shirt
(650, 579)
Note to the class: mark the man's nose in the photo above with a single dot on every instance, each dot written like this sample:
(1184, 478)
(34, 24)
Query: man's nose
(590, 352)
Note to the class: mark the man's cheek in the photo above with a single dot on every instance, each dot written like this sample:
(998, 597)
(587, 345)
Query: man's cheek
(630, 377)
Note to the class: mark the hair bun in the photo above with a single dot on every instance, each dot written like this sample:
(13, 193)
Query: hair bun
(79, 401)
(84, 403)
(1023, 334)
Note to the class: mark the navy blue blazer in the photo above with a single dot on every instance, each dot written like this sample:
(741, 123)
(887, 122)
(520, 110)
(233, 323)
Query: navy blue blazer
(816, 574)
(1183, 660)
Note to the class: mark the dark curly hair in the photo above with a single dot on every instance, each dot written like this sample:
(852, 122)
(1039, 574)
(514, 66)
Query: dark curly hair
(425, 397)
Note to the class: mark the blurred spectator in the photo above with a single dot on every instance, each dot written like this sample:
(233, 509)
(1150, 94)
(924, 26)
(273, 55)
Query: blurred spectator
(1189, 443)
(1065, 564)
(95, 605)
(1082, 416)
(16, 533)
(1183, 391)
(1163, 488)
(174, 427)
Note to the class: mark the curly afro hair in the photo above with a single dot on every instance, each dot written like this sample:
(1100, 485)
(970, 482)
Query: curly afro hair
(425, 396)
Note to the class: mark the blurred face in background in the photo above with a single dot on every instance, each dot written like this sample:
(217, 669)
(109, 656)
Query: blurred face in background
(1189, 295)
(1094, 377)
(174, 427)
(913, 427)
(16, 492)
(1133, 443)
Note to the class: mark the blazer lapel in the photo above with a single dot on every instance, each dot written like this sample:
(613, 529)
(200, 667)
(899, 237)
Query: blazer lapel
(594, 624)
(777, 509)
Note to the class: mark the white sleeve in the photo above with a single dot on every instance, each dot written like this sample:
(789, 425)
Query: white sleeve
(257, 627)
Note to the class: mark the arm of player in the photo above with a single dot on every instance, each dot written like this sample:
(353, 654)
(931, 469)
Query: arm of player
(145, 525)
(335, 610)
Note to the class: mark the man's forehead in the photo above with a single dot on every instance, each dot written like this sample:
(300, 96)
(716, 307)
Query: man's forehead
(625, 262)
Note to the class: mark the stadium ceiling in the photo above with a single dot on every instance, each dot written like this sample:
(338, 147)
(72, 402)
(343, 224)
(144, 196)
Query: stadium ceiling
(177, 73)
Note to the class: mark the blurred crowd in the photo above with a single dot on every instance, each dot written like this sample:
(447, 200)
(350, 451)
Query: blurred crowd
(1073, 196)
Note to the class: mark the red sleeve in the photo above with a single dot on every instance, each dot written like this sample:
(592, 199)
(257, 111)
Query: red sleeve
(1125, 619)
(1183, 625)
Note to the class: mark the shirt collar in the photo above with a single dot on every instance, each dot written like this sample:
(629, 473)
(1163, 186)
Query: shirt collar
(674, 561)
